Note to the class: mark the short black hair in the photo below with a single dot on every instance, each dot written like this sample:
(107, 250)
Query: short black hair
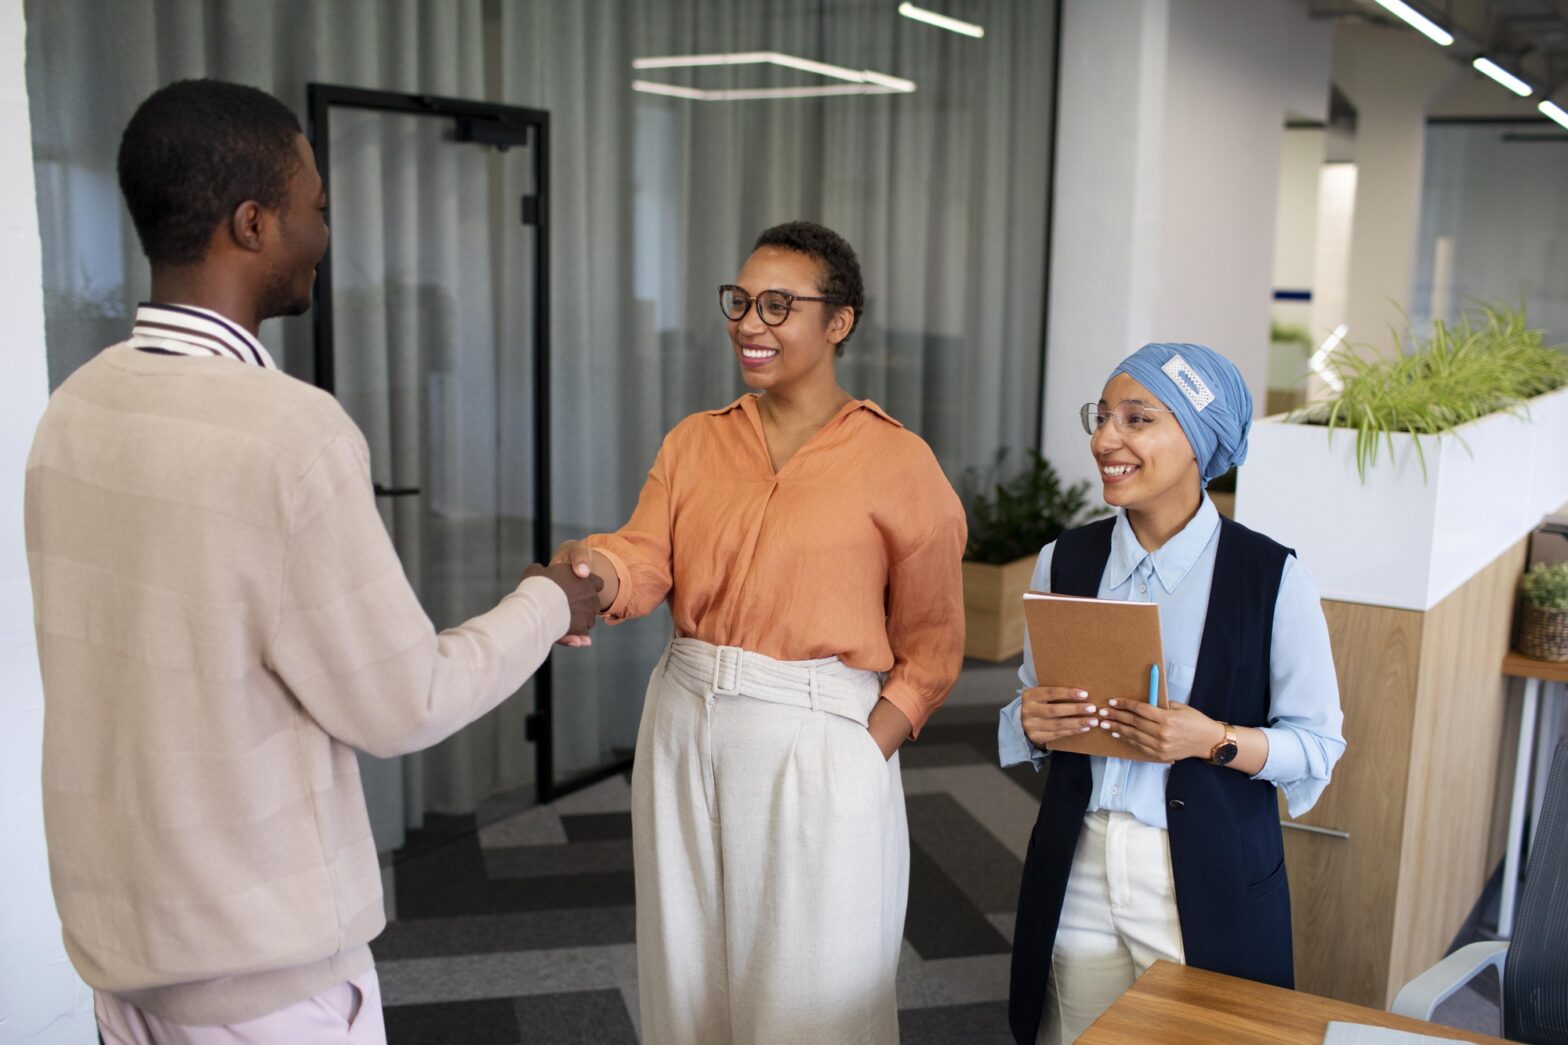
(840, 283)
(194, 151)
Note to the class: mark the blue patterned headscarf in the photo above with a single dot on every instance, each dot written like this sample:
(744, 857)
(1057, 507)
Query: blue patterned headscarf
(1205, 392)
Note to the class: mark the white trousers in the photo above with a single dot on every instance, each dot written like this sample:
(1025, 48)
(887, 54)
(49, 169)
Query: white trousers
(1118, 919)
(772, 853)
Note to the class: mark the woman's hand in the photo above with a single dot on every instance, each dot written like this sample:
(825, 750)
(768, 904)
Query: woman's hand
(584, 561)
(1052, 713)
(888, 726)
(1167, 734)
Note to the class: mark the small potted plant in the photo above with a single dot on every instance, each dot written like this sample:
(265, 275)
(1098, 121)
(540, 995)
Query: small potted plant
(1009, 522)
(1543, 612)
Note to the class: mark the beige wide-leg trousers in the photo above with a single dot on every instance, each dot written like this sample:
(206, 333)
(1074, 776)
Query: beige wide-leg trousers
(772, 853)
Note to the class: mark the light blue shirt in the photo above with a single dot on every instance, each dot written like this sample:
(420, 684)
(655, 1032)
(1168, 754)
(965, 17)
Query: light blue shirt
(1304, 716)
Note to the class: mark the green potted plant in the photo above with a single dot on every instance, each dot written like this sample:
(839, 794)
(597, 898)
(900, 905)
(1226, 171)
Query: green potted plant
(1428, 463)
(1010, 520)
(1543, 612)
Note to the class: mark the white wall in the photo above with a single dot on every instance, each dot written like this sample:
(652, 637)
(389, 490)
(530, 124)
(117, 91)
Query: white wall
(41, 999)
(1391, 76)
(1170, 132)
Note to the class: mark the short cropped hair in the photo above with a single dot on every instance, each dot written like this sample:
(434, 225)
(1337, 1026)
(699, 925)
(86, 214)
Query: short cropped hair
(841, 282)
(194, 151)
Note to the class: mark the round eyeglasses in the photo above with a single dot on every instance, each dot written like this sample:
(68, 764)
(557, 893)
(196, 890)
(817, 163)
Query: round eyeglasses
(1130, 416)
(773, 306)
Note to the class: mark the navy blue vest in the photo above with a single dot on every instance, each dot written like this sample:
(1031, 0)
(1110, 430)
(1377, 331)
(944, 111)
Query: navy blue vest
(1227, 856)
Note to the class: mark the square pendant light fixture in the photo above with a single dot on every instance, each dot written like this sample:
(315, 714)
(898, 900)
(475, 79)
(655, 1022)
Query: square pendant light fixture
(854, 81)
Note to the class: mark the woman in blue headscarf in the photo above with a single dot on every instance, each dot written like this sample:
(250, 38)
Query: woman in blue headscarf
(1181, 858)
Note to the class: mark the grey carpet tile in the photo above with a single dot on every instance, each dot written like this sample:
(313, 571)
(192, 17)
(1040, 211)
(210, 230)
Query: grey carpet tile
(942, 922)
(986, 794)
(984, 1023)
(495, 933)
(538, 826)
(926, 984)
(982, 682)
(971, 856)
(931, 752)
(537, 861)
(597, 827)
(612, 795)
(506, 975)
(575, 1018)
(484, 1022)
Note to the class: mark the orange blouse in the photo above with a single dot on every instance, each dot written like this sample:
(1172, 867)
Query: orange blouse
(851, 550)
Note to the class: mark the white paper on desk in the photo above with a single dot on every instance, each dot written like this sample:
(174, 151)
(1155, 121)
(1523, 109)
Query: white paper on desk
(1362, 1034)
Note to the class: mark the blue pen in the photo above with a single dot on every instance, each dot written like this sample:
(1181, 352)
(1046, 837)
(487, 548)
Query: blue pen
(1154, 685)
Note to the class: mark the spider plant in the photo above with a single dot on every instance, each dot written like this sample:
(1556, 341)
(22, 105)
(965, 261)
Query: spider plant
(1488, 361)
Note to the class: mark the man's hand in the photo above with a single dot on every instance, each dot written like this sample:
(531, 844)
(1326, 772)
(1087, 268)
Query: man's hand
(1052, 713)
(582, 593)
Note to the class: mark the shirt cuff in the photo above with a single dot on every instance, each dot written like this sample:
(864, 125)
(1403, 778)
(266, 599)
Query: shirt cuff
(1013, 747)
(552, 602)
(904, 697)
(1287, 761)
(619, 609)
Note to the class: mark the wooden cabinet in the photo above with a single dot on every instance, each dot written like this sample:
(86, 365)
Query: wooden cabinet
(1425, 717)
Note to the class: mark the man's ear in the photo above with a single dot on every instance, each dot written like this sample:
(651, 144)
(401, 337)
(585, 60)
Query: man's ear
(245, 225)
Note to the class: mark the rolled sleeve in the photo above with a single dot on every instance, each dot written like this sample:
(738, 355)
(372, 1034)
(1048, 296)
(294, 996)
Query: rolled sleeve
(641, 551)
(1012, 745)
(925, 616)
(1305, 720)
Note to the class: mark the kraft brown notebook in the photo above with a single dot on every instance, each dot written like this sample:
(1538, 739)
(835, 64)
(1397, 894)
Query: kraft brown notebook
(1099, 645)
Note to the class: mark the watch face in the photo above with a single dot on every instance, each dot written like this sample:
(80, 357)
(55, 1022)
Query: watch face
(1225, 753)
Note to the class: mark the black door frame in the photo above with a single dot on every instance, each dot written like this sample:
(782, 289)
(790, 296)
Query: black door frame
(500, 126)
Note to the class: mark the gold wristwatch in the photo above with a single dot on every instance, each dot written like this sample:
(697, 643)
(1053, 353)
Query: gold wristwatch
(1224, 752)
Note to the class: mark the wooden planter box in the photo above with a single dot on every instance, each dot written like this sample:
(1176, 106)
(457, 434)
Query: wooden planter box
(994, 608)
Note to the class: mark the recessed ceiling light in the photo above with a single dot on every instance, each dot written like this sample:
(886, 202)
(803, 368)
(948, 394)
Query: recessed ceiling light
(1418, 21)
(857, 81)
(920, 14)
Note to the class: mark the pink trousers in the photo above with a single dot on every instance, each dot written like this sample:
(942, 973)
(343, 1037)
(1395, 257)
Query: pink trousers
(349, 1012)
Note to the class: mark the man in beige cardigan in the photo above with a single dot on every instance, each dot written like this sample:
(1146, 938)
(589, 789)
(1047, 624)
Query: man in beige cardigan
(222, 618)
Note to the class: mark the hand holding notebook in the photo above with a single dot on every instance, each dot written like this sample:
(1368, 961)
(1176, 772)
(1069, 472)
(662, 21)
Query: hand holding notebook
(1112, 650)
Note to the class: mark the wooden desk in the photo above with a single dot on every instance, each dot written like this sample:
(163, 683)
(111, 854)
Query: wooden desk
(1175, 1005)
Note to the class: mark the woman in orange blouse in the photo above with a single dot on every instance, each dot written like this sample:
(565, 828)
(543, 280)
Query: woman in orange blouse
(809, 546)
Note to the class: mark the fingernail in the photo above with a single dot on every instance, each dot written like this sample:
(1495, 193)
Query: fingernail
(582, 569)
(1118, 736)
(1105, 725)
(1083, 693)
(1085, 729)
(1113, 703)
(1103, 712)
(1088, 709)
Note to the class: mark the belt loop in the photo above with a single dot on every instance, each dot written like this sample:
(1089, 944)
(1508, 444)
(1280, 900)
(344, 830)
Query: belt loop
(811, 686)
(722, 687)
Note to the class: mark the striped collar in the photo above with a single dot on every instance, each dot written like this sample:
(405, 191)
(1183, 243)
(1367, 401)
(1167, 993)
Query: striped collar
(185, 330)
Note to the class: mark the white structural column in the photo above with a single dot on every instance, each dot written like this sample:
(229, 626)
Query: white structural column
(1170, 129)
(1391, 75)
(41, 999)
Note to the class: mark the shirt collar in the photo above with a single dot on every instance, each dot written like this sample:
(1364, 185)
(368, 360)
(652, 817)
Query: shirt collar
(856, 404)
(186, 330)
(1172, 560)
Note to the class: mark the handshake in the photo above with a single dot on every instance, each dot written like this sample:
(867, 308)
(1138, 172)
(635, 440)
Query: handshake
(574, 570)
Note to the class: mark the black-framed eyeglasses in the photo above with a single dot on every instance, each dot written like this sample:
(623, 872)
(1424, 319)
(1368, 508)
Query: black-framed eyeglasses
(1130, 416)
(773, 306)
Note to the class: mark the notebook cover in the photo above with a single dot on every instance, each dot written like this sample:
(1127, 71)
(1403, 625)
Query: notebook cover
(1099, 645)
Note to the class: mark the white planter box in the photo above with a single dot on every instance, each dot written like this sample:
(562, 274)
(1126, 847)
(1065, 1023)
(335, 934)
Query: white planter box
(1400, 540)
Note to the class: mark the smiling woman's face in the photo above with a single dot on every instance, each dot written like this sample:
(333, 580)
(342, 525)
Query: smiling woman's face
(1143, 464)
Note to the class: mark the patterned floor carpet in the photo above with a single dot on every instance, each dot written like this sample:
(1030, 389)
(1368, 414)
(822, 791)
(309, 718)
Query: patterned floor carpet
(515, 926)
